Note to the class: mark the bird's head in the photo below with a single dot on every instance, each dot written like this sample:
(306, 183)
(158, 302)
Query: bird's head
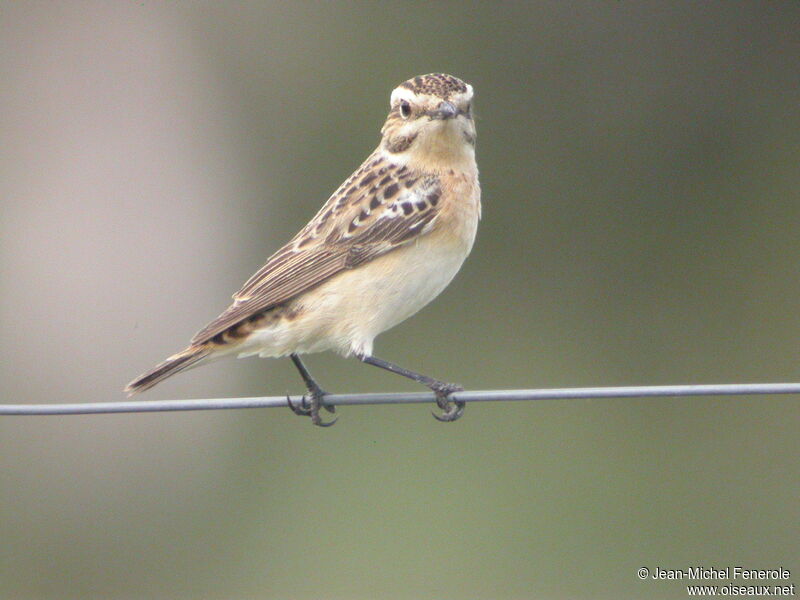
(430, 124)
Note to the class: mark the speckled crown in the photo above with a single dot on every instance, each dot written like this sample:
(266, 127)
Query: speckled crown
(435, 84)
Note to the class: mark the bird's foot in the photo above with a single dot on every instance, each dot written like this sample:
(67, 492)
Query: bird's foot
(309, 406)
(451, 410)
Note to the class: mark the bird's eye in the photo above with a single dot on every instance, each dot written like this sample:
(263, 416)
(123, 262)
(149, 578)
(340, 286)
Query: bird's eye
(405, 109)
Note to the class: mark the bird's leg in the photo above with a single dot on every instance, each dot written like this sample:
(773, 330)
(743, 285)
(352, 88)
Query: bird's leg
(315, 392)
(450, 410)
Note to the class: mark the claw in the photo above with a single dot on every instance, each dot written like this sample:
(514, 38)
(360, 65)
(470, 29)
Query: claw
(316, 393)
(302, 410)
(451, 411)
(306, 408)
(321, 423)
(316, 403)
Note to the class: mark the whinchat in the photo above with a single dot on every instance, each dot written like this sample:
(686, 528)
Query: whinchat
(384, 245)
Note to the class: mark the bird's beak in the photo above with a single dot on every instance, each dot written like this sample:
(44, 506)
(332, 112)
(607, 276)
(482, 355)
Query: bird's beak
(446, 110)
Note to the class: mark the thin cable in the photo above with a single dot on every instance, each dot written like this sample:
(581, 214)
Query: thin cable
(650, 391)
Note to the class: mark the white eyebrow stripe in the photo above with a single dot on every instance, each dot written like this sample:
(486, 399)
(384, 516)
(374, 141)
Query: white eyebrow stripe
(402, 93)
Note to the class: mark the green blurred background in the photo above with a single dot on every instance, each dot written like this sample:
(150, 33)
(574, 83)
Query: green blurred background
(640, 173)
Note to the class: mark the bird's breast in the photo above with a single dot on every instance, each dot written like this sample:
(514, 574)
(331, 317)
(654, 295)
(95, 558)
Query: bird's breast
(461, 208)
(349, 310)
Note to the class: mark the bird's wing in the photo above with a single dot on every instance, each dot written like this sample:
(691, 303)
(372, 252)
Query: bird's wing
(379, 208)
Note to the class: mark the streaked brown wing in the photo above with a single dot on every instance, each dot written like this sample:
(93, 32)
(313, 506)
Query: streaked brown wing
(360, 236)
(290, 274)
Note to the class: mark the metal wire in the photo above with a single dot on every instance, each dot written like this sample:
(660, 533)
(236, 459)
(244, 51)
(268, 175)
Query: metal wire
(141, 406)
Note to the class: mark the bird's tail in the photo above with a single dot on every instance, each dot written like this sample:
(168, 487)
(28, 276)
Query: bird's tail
(174, 364)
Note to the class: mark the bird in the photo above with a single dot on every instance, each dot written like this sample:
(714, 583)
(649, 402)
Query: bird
(385, 244)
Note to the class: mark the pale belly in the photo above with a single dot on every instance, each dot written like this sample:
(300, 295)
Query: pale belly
(346, 313)
(349, 310)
